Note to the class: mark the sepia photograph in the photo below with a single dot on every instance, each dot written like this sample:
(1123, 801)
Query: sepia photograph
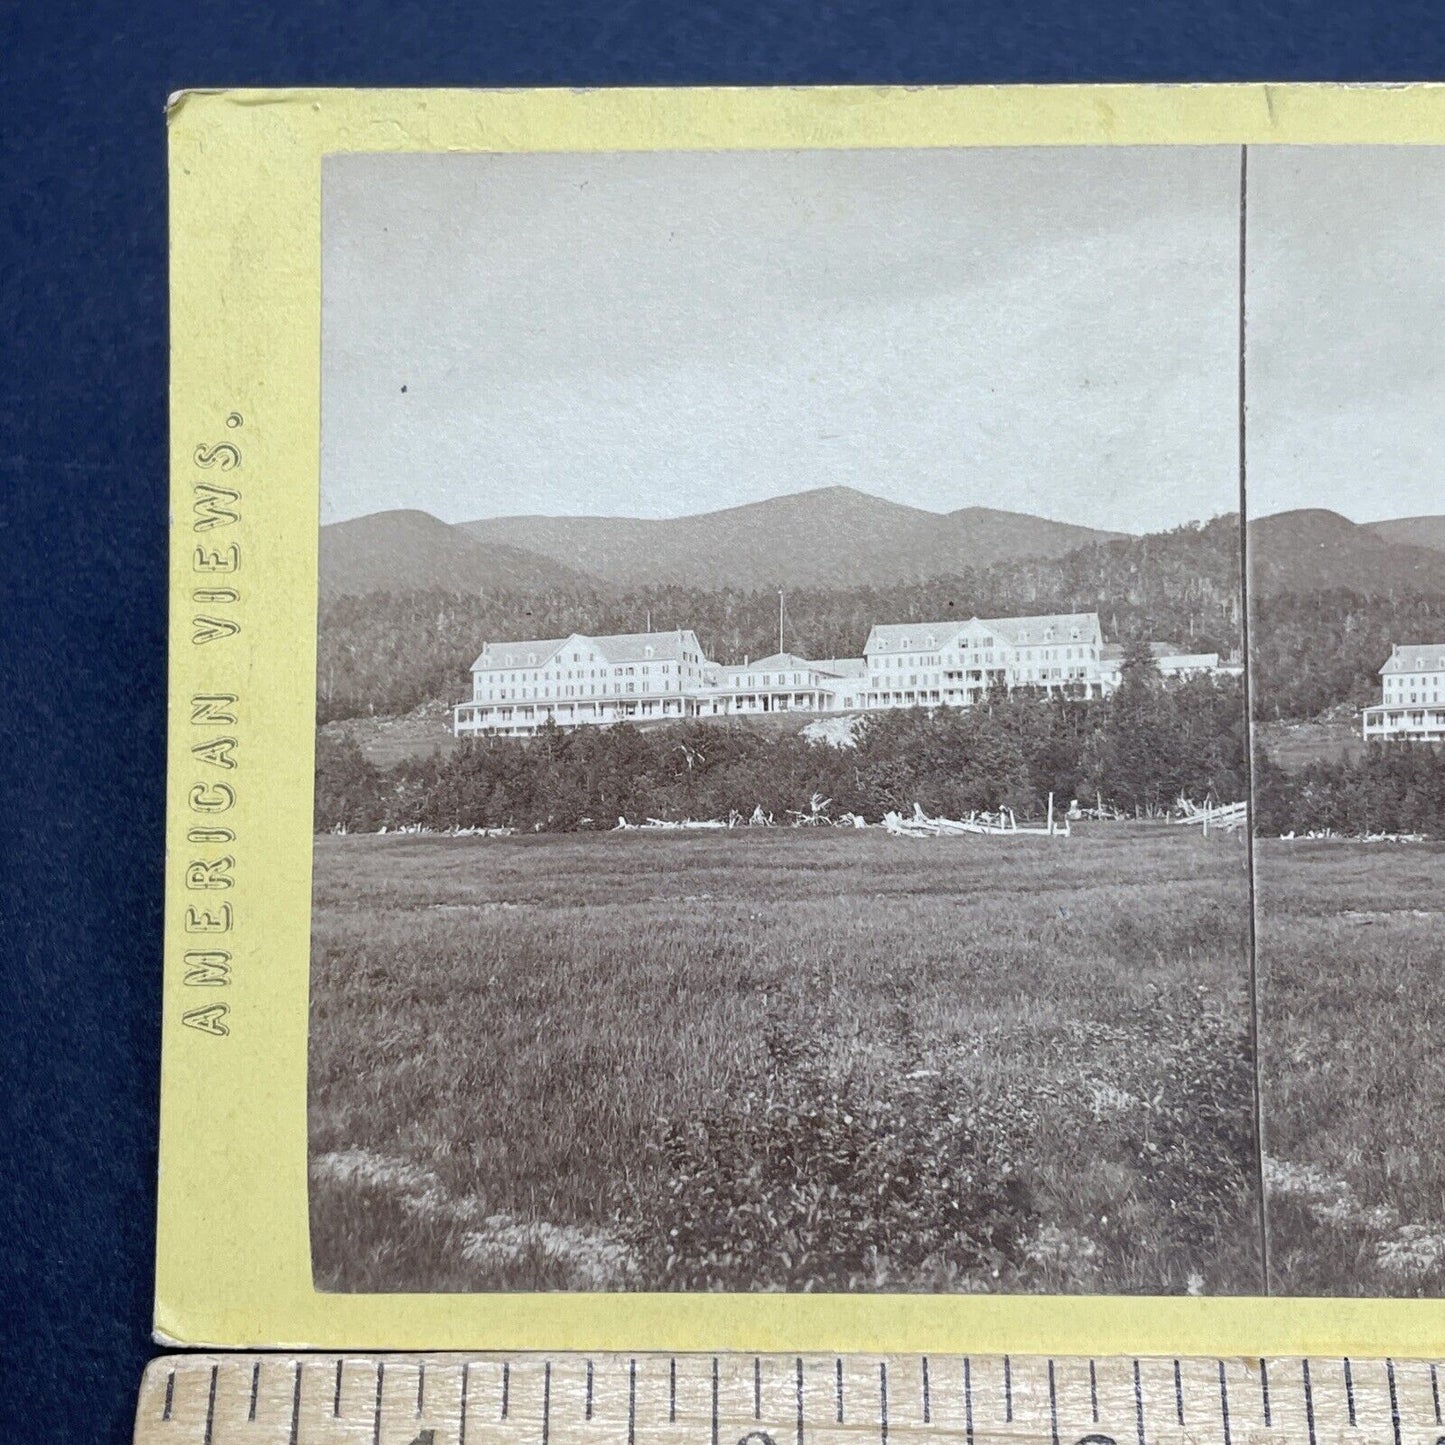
(783, 764)
(1346, 305)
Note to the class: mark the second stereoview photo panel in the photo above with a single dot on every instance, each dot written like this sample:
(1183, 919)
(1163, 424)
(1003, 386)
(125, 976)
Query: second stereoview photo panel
(1346, 328)
(793, 811)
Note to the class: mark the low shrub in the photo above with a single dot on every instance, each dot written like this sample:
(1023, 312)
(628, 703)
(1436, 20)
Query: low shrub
(805, 1180)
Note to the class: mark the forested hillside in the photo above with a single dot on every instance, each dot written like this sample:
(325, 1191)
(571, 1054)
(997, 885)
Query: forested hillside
(1315, 650)
(386, 652)
(1315, 646)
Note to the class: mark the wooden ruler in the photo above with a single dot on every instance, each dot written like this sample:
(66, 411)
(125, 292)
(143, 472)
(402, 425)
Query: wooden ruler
(537, 1399)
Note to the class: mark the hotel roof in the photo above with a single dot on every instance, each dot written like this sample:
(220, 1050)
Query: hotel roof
(1416, 657)
(842, 666)
(773, 662)
(913, 636)
(614, 648)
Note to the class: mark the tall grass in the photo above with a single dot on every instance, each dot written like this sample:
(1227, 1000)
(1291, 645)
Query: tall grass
(1352, 1018)
(520, 1047)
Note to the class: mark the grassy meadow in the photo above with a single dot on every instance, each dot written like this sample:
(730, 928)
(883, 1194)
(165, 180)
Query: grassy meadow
(783, 1059)
(1352, 1015)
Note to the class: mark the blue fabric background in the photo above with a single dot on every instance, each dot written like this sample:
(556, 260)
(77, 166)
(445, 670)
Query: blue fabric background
(82, 512)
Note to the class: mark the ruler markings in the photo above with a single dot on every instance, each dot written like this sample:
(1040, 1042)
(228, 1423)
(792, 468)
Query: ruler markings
(1309, 1399)
(800, 1399)
(1394, 1400)
(1053, 1407)
(211, 1406)
(967, 1400)
(203, 1400)
(296, 1403)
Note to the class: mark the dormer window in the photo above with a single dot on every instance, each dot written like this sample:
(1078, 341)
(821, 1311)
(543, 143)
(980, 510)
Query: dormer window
(531, 659)
(1074, 634)
(929, 641)
(1048, 634)
(647, 651)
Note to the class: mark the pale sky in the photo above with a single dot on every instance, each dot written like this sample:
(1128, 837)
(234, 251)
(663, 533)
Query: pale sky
(1346, 305)
(1047, 331)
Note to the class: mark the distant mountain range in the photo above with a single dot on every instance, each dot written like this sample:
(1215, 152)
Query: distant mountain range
(406, 551)
(1314, 550)
(830, 537)
(834, 537)
(1417, 531)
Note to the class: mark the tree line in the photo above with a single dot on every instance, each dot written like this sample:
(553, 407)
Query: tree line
(1137, 751)
(1390, 788)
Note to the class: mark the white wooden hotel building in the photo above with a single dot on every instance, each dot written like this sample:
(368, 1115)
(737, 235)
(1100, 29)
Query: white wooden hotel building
(1412, 685)
(521, 687)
